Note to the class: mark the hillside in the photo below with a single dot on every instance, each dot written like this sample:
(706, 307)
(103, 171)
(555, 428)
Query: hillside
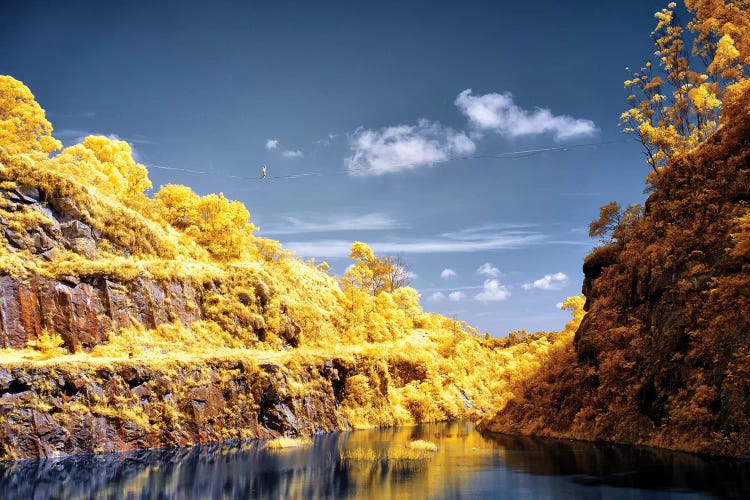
(132, 320)
(662, 356)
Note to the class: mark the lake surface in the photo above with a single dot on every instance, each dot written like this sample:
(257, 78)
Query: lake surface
(467, 464)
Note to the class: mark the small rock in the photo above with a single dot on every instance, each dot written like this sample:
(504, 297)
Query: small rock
(270, 367)
(84, 246)
(76, 229)
(49, 215)
(42, 242)
(15, 239)
(70, 280)
(5, 379)
(50, 254)
(66, 208)
(141, 391)
(25, 194)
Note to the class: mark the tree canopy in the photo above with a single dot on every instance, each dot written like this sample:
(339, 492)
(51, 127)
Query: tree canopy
(23, 126)
(676, 101)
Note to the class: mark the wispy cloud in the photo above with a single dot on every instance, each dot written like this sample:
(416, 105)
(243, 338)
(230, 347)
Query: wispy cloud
(488, 269)
(457, 296)
(450, 288)
(555, 281)
(327, 140)
(272, 143)
(70, 133)
(436, 297)
(448, 273)
(459, 242)
(404, 147)
(493, 291)
(365, 222)
(78, 114)
(295, 153)
(498, 112)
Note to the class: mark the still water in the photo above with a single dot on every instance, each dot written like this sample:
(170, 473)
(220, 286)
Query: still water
(467, 464)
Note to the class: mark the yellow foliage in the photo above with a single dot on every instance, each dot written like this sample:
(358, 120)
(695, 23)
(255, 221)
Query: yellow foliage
(108, 165)
(421, 444)
(672, 122)
(47, 346)
(219, 225)
(23, 126)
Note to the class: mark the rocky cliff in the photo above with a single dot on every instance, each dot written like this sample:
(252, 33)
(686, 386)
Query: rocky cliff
(54, 410)
(82, 310)
(663, 355)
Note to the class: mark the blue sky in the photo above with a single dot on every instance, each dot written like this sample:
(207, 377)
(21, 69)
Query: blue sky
(371, 99)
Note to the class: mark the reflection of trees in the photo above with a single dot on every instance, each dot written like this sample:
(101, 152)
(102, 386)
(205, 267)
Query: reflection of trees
(465, 459)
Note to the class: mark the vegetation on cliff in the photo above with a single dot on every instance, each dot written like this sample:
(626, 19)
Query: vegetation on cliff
(163, 320)
(662, 355)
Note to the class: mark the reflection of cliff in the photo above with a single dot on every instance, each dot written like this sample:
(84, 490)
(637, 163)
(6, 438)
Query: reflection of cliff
(624, 466)
(663, 354)
(467, 464)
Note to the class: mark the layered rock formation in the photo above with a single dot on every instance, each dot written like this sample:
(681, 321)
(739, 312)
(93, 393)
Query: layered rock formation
(82, 310)
(49, 411)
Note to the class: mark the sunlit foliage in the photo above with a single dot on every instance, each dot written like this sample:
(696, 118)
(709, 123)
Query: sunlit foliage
(23, 126)
(613, 222)
(219, 225)
(676, 100)
(375, 274)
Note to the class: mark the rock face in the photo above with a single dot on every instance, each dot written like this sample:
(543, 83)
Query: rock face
(84, 312)
(52, 411)
(55, 409)
(663, 355)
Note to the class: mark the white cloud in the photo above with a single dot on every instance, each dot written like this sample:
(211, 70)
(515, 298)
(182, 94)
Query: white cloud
(498, 112)
(404, 147)
(555, 281)
(447, 243)
(558, 305)
(292, 153)
(364, 222)
(272, 143)
(436, 297)
(448, 273)
(493, 291)
(488, 269)
(412, 275)
(457, 296)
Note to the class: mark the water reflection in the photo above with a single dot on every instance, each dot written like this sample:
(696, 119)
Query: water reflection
(467, 465)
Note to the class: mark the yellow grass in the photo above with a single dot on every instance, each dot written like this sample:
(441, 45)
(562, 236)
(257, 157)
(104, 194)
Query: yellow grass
(287, 442)
(421, 445)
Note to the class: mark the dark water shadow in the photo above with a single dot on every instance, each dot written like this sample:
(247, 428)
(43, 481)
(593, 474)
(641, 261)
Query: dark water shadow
(621, 466)
(468, 464)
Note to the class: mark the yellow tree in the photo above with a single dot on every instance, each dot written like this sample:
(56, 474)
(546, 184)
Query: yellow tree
(613, 222)
(373, 274)
(108, 164)
(23, 126)
(219, 225)
(676, 101)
